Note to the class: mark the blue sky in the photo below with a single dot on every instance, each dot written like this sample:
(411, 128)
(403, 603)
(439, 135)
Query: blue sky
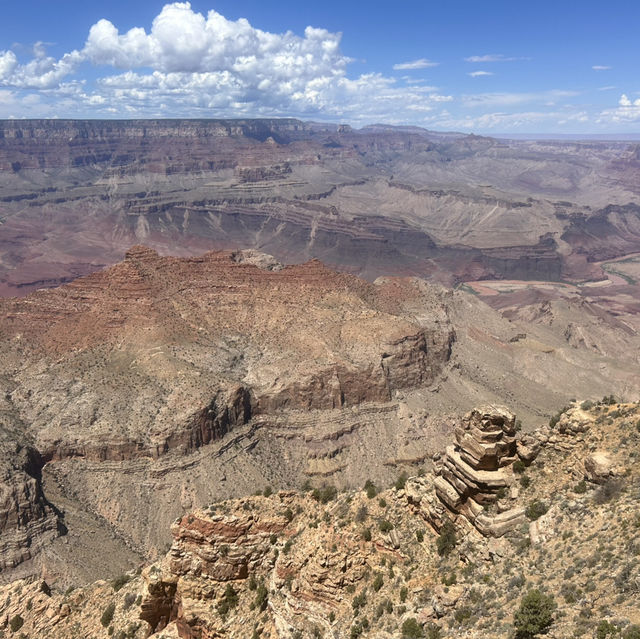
(487, 67)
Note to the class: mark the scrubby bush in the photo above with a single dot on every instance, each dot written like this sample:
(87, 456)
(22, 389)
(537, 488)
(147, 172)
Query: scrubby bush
(366, 534)
(385, 525)
(228, 601)
(518, 466)
(536, 509)
(370, 489)
(401, 481)
(16, 623)
(446, 540)
(378, 582)
(420, 535)
(411, 629)
(632, 632)
(262, 598)
(325, 494)
(606, 629)
(580, 488)
(525, 481)
(119, 582)
(267, 492)
(535, 614)
(107, 615)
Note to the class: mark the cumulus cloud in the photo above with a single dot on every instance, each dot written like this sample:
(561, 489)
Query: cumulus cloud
(600, 67)
(197, 65)
(422, 63)
(624, 101)
(479, 74)
(492, 57)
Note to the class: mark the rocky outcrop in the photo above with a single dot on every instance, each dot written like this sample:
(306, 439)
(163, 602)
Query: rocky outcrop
(475, 474)
(27, 521)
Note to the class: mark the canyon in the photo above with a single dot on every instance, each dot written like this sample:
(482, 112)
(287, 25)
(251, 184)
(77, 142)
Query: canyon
(75, 195)
(214, 333)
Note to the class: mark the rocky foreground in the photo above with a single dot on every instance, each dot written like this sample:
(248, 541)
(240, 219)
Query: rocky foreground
(451, 552)
(158, 385)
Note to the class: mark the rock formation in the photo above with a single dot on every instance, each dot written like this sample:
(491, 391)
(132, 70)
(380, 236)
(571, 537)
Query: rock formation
(27, 521)
(475, 474)
(323, 564)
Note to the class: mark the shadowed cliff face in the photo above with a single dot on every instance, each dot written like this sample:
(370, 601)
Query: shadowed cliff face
(74, 195)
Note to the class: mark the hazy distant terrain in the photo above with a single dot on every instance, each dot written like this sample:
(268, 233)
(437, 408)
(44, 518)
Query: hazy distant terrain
(75, 195)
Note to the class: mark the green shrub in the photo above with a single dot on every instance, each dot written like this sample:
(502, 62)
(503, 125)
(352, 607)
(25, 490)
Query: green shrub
(401, 481)
(420, 535)
(382, 502)
(411, 629)
(378, 582)
(268, 491)
(535, 614)
(433, 631)
(525, 481)
(606, 629)
(403, 594)
(366, 534)
(107, 615)
(120, 581)
(587, 405)
(262, 598)
(580, 488)
(446, 541)
(519, 466)
(385, 525)
(536, 509)
(325, 494)
(370, 489)
(288, 514)
(16, 623)
(228, 602)
(631, 632)
(359, 601)
(450, 580)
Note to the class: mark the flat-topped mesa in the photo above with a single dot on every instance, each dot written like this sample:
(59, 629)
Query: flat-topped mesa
(475, 473)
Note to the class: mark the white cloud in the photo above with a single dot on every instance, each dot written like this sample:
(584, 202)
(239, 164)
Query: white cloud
(479, 74)
(194, 65)
(607, 88)
(492, 57)
(627, 112)
(600, 67)
(511, 99)
(624, 101)
(523, 122)
(422, 63)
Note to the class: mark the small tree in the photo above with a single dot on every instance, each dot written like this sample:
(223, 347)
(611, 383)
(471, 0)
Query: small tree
(535, 615)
